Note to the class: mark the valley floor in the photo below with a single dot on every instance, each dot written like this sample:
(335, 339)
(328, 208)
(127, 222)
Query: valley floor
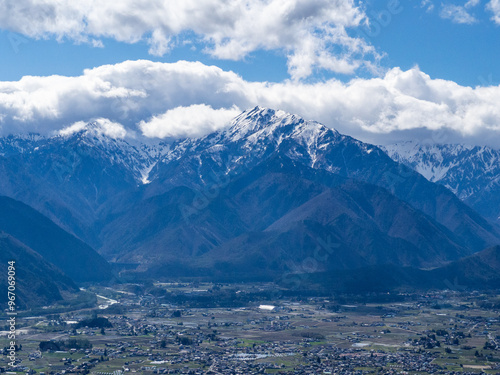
(175, 329)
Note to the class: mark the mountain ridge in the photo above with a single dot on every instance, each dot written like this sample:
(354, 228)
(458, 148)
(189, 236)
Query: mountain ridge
(70, 255)
(39, 282)
(197, 160)
(268, 177)
(470, 172)
(479, 271)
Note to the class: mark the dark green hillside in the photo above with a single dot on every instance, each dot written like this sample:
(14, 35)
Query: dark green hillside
(38, 283)
(72, 256)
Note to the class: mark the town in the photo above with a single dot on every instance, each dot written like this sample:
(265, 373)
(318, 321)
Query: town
(197, 328)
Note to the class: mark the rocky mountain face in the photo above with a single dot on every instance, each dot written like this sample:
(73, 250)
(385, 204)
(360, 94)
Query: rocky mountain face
(274, 216)
(255, 200)
(470, 172)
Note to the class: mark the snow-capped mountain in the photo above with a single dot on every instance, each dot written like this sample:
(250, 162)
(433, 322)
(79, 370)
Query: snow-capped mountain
(135, 157)
(72, 177)
(252, 137)
(260, 131)
(260, 135)
(470, 172)
(270, 180)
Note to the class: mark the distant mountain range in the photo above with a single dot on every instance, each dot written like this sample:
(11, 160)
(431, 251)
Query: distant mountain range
(480, 271)
(471, 172)
(272, 194)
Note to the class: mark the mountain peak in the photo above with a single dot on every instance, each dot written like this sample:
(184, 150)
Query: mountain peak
(261, 119)
(262, 124)
(98, 129)
(253, 136)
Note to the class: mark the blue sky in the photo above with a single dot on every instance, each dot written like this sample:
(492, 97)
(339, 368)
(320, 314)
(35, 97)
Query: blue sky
(406, 32)
(47, 57)
(411, 53)
(465, 53)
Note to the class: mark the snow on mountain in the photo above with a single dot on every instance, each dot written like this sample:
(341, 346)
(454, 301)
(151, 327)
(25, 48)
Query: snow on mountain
(87, 177)
(471, 172)
(256, 134)
(254, 129)
(261, 133)
(260, 124)
(268, 173)
(134, 155)
(247, 139)
(465, 170)
(18, 144)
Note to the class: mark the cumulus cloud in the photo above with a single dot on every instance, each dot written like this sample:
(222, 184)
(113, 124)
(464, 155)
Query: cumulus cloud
(100, 125)
(494, 7)
(192, 121)
(428, 5)
(472, 3)
(312, 33)
(125, 93)
(73, 128)
(459, 14)
(189, 99)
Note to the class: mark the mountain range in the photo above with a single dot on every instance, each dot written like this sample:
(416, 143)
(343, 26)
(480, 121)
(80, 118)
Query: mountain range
(479, 271)
(269, 195)
(320, 158)
(472, 173)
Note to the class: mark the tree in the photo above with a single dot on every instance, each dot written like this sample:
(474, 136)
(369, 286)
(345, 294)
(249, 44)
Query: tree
(95, 323)
(49, 345)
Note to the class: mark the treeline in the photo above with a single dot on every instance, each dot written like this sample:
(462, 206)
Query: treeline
(94, 323)
(69, 344)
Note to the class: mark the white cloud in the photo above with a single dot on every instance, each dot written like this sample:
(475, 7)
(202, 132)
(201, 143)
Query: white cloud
(428, 5)
(494, 7)
(186, 98)
(459, 14)
(101, 125)
(472, 3)
(312, 33)
(73, 128)
(192, 121)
